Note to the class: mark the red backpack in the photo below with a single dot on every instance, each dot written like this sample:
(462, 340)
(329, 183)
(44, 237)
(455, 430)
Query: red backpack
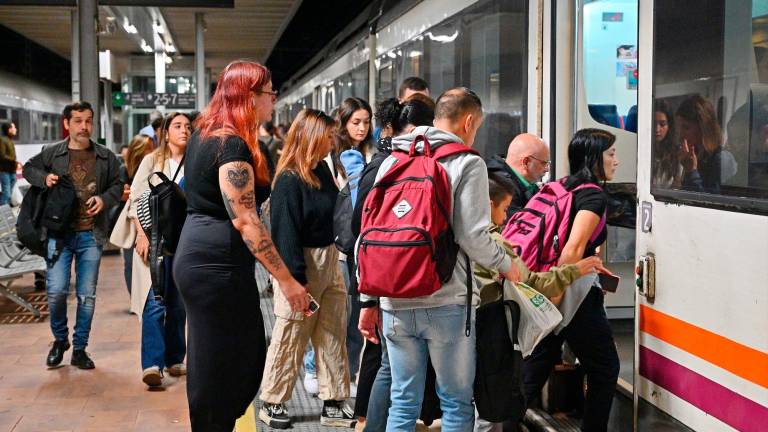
(539, 231)
(406, 247)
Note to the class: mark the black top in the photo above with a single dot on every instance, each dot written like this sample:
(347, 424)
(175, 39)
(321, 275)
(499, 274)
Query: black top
(594, 200)
(302, 217)
(204, 160)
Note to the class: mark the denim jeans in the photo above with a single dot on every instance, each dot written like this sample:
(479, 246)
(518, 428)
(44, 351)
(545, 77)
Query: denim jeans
(162, 326)
(412, 334)
(128, 267)
(378, 403)
(354, 338)
(7, 180)
(86, 253)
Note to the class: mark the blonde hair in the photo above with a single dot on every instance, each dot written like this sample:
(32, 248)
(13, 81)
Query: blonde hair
(137, 149)
(304, 145)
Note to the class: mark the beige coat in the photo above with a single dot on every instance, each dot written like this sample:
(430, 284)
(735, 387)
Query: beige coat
(124, 234)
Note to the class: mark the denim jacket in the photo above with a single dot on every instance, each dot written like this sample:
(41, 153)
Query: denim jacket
(54, 159)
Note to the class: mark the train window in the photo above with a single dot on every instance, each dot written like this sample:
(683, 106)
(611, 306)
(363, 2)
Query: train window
(609, 40)
(483, 48)
(711, 110)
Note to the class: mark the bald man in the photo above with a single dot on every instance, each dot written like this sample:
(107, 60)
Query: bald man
(526, 163)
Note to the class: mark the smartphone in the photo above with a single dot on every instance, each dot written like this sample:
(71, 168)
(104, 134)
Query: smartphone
(312, 308)
(609, 282)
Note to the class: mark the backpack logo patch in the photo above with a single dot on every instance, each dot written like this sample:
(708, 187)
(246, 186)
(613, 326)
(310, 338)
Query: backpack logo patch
(402, 208)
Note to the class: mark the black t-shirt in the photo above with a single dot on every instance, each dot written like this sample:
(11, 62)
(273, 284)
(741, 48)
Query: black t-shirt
(594, 200)
(302, 217)
(201, 168)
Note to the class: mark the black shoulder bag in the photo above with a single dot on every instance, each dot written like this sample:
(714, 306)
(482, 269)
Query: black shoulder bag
(168, 211)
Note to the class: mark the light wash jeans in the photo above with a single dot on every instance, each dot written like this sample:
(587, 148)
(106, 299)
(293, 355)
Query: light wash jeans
(378, 402)
(412, 334)
(162, 325)
(82, 248)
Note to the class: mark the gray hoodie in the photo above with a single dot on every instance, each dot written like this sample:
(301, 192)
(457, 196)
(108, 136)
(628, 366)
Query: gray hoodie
(470, 220)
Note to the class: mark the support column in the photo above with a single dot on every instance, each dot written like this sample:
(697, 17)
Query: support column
(372, 72)
(201, 98)
(75, 57)
(88, 13)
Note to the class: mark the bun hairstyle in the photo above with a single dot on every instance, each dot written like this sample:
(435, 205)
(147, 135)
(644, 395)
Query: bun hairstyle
(414, 111)
(585, 156)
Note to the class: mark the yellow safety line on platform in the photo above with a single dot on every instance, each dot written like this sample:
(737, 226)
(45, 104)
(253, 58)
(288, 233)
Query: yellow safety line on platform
(247, 423)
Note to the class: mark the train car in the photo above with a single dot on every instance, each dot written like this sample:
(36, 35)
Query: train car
(36, 111)
(682, 86)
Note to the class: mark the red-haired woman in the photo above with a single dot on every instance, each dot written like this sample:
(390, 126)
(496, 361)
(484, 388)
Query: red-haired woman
(214, 263)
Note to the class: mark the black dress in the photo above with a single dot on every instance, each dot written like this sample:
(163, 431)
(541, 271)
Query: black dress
(214, 271)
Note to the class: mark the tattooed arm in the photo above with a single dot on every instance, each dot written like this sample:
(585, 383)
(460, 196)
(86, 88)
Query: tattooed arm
(237, 190)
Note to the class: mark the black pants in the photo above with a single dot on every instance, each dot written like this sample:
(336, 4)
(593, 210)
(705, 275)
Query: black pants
(590, 337)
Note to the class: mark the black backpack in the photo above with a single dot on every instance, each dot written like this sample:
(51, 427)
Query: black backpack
(168, 211)
(498, 386)
(28, 229)
(61, 205)
(342, 222)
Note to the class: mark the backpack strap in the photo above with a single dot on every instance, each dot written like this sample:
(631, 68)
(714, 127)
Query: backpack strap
(602, 222)
(468, 325)
(452, 149)
(178, 169)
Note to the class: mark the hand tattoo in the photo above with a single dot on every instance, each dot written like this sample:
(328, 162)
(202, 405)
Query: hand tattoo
(238, 176)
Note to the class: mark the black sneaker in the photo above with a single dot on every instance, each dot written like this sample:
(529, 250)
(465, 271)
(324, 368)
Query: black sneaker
(56, 354)
(337, 414)
(80, 359)
(275, 416)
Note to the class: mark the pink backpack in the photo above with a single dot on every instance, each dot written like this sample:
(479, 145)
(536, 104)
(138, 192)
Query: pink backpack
(406, 247)
(539, 231)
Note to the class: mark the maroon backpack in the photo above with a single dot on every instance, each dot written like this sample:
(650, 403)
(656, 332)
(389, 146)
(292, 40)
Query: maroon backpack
(406, 247)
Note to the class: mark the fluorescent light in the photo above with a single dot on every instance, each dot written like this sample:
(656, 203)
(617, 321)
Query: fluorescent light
(413, 54)
(128, 27)
(443, 38)
(170, 48)
(168, 60)
(392, 54)
(145, 47)
(158, 27)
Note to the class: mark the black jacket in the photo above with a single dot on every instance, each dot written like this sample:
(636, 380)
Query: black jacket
(55, 159)
(522, 195)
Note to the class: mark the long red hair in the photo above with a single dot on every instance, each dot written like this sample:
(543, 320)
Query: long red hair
(231, 110)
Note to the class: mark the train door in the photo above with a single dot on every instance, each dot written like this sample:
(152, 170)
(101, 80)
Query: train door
(702, 238)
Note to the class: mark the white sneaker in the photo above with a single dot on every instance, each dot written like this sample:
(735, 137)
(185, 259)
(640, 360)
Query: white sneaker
(310, 384)
(352, 390)
(152, 376)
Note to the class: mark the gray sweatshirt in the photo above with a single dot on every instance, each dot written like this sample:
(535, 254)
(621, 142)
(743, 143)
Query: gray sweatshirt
(470, 219)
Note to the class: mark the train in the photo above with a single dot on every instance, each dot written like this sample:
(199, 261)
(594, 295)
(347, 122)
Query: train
(693, 298)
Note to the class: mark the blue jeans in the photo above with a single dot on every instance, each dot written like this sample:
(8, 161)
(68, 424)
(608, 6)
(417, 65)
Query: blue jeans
(7, 180)
(412, 334)
(82, 248)
(162, 326)
(354, 338)
(378, 403)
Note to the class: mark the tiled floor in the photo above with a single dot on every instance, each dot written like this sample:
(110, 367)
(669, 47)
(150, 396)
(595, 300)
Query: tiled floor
(110, 398)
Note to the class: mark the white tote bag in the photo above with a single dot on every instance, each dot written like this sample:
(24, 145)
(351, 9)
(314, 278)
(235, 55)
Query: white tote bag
(538, 316)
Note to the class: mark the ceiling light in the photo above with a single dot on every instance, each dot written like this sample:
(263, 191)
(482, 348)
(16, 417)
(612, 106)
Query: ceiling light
(168, 60)
(414, 54)
(158, 27)
(145, 47)
(170, 48)
(128, 27)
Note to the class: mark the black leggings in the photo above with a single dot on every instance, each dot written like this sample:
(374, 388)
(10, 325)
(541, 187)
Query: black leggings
(590, 337)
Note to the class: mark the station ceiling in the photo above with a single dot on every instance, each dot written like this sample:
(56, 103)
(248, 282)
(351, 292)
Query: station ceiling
(249, 30)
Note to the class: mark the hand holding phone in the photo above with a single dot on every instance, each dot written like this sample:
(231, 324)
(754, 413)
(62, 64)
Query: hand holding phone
(609, 282)
(312, 307)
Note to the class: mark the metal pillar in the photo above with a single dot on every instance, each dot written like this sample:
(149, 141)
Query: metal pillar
(75, 57)
(201, 98)
(88, 13)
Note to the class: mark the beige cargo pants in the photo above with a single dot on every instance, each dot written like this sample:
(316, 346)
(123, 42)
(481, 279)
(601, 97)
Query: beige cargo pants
(327, 329)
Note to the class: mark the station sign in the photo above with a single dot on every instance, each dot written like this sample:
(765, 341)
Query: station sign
(158, 3)
(151, 100)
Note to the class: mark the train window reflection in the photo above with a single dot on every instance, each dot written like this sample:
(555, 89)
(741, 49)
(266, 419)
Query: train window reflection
(711, 110)
(610, 62)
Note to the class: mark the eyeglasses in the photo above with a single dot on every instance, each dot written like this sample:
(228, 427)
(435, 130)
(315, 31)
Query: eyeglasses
(543, 162)
(272, 93)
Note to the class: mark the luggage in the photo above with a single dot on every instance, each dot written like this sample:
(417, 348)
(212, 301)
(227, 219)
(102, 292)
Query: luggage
(539, 231)
(406, 247)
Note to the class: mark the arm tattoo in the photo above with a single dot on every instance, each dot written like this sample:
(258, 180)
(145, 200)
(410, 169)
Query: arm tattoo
(229, 204)
(248, 200)
(267, 249)
(238, 176)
